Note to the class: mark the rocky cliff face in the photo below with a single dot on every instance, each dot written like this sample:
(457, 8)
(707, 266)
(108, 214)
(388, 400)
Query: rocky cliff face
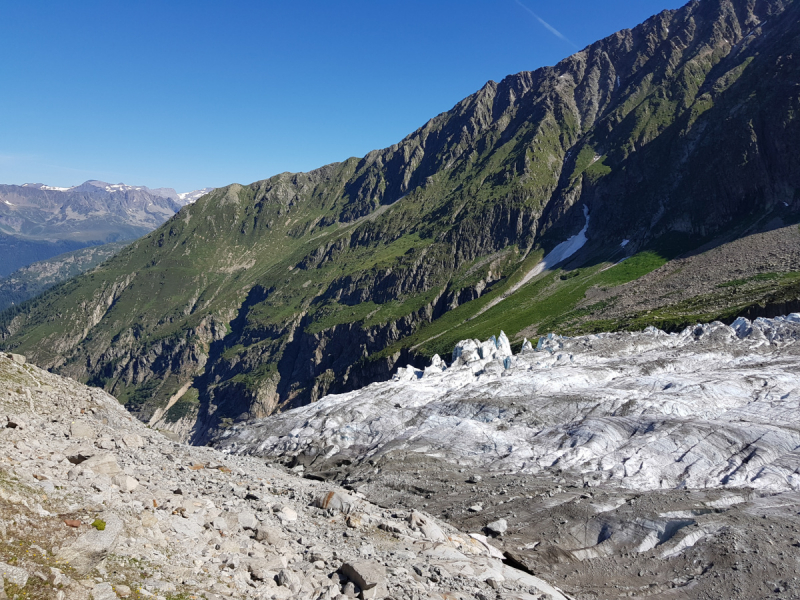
(267, 296)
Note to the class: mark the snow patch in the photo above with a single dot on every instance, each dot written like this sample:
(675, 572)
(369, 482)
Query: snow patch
(625, 243)
(189, 197)
(558, 254)
(569, 247)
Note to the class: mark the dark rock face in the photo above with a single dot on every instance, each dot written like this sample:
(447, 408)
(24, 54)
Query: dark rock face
(268, 296)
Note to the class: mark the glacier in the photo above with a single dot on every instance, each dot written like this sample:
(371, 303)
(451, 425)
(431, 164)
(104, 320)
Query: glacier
(639, 464)
(713, 406)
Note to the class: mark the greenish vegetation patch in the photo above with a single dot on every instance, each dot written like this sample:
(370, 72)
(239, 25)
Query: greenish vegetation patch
(757, 277)
(186, 406)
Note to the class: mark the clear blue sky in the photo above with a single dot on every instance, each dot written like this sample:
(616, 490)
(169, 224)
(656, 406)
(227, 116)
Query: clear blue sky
(196, 93)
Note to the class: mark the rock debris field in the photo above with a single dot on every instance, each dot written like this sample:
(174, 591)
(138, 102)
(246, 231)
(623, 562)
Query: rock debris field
(93, 504)
(628, 464)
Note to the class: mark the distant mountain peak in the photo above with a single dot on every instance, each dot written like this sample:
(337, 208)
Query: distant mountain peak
(189, 197)
(41, 186)
(181, 198)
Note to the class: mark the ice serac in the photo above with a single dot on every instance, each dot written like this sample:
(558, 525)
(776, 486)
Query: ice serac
(713, 406)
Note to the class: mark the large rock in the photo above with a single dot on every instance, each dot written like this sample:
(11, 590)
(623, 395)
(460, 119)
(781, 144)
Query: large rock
(336, 501)
(85, 553)
(366, 574)
(102, 464)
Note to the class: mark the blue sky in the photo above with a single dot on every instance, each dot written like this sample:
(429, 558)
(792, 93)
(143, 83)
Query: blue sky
(196, 93)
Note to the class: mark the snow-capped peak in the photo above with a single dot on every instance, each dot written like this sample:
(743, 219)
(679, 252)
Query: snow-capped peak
(41, 186)
(189, 197)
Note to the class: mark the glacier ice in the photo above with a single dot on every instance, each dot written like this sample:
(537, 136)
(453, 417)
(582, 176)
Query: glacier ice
(714, 406)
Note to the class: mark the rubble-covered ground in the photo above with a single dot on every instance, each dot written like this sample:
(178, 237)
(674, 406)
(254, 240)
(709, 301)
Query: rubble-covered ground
(93, 504)
(627, 464)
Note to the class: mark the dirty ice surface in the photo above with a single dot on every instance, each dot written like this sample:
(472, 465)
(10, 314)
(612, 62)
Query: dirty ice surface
(713, 406)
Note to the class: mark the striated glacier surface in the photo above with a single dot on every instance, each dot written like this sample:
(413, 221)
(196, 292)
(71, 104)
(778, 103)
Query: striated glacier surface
(713, 406)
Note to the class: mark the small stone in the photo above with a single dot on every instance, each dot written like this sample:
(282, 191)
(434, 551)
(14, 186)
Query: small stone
(102, 464)
(123, 591)
(270, 535)
(474, 479)
(16, 575)
(286, 578)
(498, 527)
(287, 514)
(493, 583)
(351, 590)
(133, 440)
(14, 422)
(355, 521)
(475, 508)
(103, 591)
(57, 578)
(72, 522)
(335, 501)
(125, 483)
(248, 520)
(427, 527)
(149, 520)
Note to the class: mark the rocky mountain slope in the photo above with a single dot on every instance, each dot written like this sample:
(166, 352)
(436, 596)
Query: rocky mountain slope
(19, 253)
(675, 136)
(32, 280)
(618, 465)
(93, 504)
